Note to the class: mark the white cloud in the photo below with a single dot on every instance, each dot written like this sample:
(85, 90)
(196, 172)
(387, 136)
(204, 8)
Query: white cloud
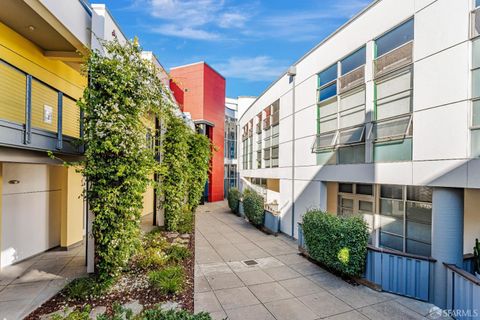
(260, 68)
(185, 32)
(232, 20)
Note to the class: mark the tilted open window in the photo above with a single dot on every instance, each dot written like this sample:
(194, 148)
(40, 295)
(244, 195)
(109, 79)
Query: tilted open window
(351, 136)
(392, 129)
(325, 141)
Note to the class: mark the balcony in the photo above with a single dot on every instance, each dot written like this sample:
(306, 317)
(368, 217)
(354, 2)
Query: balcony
(36, 116)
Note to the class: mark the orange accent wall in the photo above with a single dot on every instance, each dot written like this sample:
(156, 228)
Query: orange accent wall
(200, 90)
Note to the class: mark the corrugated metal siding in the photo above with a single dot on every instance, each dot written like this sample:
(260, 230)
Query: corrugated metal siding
(71, 118)
(463, 296)
(398, 274)
(12, 94)
(41, 96)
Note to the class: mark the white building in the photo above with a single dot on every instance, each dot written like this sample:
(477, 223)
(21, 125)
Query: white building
(381, 119)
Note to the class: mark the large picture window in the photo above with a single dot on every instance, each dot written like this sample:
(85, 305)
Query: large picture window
(406, 219)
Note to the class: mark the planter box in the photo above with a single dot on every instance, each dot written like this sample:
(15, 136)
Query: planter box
(271, 222)
(240, 211)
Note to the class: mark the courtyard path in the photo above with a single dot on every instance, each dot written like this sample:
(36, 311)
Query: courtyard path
(282, 284)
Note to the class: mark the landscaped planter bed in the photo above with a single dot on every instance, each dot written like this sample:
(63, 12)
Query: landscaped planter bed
(132, 285)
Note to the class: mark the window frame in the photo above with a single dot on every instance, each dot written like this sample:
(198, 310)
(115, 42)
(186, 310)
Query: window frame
(386, 33)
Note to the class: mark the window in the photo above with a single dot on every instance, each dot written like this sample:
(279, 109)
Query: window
(328, 75)
(475, 127)
(477, 3)
(406, 219)
(395, 38)
(357, 199)
(353, 61)
(271, 135)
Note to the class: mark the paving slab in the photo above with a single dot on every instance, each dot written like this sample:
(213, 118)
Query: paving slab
(282, 285)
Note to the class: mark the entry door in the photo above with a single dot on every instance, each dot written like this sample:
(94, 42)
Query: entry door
(31, 205)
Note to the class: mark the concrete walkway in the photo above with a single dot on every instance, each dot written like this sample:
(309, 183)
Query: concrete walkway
(282, 285)
(27, 285)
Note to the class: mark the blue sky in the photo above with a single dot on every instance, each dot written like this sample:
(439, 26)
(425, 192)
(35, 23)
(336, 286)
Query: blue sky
(251, 42)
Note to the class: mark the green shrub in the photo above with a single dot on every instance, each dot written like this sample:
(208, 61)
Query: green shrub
(233, 198)
(253, 207)
(339, 243)
(185, 221)
(169, 280)
(476, 256)
(154, 239)
(83, 288)
(158, 314)
(151, 258)
(83, 314)
(176, 253)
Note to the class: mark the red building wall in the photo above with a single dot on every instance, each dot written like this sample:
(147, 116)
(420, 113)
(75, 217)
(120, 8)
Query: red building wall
(200, 90)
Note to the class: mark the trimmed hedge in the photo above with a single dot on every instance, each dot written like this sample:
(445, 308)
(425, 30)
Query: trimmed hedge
(233, 199)
(339, 243)
(253, 206)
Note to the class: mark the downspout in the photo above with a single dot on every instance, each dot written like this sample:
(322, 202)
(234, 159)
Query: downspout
(292, 73)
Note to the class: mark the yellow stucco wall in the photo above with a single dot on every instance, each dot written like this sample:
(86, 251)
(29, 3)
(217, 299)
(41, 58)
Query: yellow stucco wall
(148, 200)
(332, 193)
(471, 219)
(29, 58)
(273, 184)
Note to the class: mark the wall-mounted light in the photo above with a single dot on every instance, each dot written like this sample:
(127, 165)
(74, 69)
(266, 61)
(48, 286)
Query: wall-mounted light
(31, 28)
(13, 182)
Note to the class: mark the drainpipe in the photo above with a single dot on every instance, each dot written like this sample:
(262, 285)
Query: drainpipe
(292, 72)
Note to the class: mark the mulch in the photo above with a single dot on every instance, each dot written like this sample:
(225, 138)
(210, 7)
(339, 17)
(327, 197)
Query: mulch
(132, 285)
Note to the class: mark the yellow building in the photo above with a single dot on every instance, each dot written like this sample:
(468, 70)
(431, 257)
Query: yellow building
(41, 48)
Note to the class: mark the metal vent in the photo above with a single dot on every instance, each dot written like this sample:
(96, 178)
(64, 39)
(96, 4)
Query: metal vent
(250, 262)
(394, 60)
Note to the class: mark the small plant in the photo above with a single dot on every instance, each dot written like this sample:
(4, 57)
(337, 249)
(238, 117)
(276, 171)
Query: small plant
(476, 259)
(177, 253)
(119, 313)
(185, 221)
(233, 197)
(151, 258)
(154, 239)
(83, 314)
(83, 288)
(159, 314)
(253, 206)
(169, 280)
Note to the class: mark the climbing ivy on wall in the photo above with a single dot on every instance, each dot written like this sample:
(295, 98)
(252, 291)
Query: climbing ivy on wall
(123, 91)
(184, 171)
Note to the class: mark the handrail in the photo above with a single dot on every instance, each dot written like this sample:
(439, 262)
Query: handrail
(401, 254)
(470, 277)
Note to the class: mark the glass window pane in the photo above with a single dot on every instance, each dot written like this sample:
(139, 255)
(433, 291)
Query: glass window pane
(349, 101)
(328, 92)
(365, 206)
(346, 203)
(350, 119)
(391, 208)
(351, 154)
(419, 231)
(396, 128)
(328, 75)
(423, 194)
(476, 143)
(418, 248)
(365, 189)
(420, 212)
(391, 191)
(395, 38)
(391, 225)
(354, 135)
(476, 83)
(353, 61)
(476, 113)
(477, 3)
(476, 53)
(327, 125)
(328, 108)
(393, 151)
(391, 241)
(345, 187)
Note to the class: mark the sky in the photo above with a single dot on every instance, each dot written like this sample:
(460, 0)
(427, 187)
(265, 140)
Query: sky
(250, 42)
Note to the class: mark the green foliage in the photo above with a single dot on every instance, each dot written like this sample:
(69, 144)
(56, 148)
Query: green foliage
(337, 242)
(119, 312)
(158, 314)
(183, 174)
(253, 204)
(154, 239)
(123, 91)
(476, 254)
(151, 258)
(84, 288)
(177, 253)
(82, 314)
(169, 280)
(233, 198)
